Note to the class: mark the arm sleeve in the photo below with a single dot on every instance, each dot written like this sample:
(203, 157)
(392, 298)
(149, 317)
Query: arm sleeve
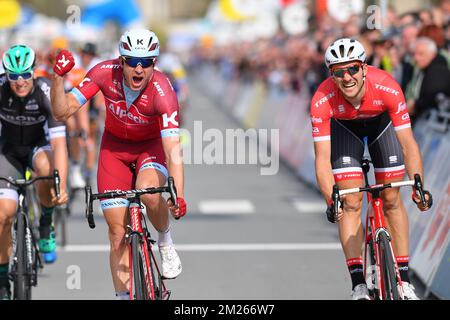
(396, 106)
(56, 129)
(166, 103)
(320, 114)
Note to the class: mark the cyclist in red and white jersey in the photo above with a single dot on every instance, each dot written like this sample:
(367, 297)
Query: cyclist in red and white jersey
(359, 103)
(141, 127)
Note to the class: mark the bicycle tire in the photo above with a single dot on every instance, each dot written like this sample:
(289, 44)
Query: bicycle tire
(61, 214)
(389, 274)
(22, 288)
(140, 290)
(371, 270)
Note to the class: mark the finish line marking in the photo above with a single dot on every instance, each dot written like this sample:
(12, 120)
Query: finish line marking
(223, 247)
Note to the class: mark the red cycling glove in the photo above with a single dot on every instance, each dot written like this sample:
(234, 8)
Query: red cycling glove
(181, 207)
(64, 63)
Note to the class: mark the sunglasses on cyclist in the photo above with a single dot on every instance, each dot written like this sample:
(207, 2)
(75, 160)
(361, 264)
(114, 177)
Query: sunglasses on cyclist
(340, 72)
(17, 76)
(144, 62)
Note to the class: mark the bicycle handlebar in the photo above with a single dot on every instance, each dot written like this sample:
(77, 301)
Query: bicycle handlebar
(128, 194)
(416, 183)
(25, 183)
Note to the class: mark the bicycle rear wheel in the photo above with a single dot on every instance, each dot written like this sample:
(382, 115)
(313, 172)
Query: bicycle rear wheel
(389, 274)
(138, 265)
(22, 284)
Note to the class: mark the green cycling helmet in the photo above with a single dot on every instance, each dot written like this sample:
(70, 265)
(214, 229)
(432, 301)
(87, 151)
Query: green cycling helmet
(19, 59)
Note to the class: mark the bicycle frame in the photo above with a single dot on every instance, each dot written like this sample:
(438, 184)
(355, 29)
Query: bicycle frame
(375, 223)
(26, 258)
(376, 229)
(137, 228)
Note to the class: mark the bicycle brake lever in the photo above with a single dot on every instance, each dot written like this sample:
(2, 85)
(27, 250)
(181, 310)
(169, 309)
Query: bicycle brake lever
(419, 187)
(336, 199)
(89, 215)
(57, 181)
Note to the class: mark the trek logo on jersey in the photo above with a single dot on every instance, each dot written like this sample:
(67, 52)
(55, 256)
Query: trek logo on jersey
(324, 99)
(401, 107)
(170, 119)
(386, 89)
(159, 89)
(122, 113)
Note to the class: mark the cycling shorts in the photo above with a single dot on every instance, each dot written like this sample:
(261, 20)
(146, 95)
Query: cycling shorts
(14, 160)
(116, 156)
(347, 148)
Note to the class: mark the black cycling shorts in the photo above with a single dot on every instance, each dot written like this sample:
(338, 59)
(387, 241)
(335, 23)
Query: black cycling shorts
(347, 148)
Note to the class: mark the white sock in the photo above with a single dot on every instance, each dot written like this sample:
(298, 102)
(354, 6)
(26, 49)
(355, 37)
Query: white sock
(122, 296)
(164, 238)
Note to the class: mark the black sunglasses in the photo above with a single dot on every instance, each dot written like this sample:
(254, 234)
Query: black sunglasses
(352, 70)
(144, 62)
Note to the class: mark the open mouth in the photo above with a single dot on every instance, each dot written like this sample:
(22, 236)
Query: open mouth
(349, 85)
(137, 81)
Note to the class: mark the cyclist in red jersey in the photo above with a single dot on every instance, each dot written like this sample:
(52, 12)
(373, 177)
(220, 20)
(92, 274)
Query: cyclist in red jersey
(141, 127)
(360, 103)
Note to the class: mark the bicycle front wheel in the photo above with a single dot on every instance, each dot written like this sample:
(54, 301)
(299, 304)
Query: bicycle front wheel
(139, 281)
(389, 274)
(22, 285)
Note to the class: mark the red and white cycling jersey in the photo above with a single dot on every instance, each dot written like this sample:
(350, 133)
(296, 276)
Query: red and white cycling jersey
(154, 113)
(382, 93)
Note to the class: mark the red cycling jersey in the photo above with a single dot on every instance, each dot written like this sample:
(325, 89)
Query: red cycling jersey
(382, 93)
(152, 115)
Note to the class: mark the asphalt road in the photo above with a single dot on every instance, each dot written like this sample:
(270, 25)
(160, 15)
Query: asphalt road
(246, 235)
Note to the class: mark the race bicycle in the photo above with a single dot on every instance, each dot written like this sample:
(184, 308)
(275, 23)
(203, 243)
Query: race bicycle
(25, 259)
(380, 265)
(146, 281)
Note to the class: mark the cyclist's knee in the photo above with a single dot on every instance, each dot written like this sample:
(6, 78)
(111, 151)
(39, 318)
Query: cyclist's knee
(8, 208)
(117, 238)
(41, 164)
(152, 201)
(353, 203)
(391, 200)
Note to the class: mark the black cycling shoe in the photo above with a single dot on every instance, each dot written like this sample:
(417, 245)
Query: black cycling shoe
(5, 292)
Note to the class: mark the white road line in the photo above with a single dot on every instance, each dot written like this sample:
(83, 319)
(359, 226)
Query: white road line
(226, 207)
(309, 207)
(223, 247)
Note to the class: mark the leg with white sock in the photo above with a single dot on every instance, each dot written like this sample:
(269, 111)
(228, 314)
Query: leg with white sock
(158, 214)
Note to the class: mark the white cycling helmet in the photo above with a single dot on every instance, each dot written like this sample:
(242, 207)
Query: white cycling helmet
(139, 43)
(344, 50)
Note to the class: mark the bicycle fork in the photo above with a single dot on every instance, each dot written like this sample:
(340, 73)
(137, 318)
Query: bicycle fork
(136, 228)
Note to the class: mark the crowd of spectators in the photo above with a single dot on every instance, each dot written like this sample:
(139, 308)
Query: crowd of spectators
(414, 47)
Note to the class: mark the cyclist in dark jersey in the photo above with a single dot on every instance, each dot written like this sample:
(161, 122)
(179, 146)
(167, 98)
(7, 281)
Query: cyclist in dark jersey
(30, 138)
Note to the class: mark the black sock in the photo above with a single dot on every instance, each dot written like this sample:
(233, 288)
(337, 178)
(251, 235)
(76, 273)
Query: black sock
(4, 274)
(355, 267)
(403, 268)
(46, 216)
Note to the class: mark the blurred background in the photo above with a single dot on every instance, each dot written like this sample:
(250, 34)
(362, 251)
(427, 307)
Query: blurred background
(258, 62)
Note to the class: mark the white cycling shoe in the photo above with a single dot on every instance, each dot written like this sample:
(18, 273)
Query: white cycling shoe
(409, 291)
(360, 292)
(171, 264)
